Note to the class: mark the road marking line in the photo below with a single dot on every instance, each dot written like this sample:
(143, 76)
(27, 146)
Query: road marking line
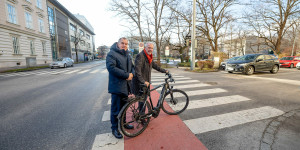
(206, 91)
(57, 72)
(106, 116)
(212, 123)
(163, 77)
(176, 79)
(186, 86)
(104, 71)
(178, 82)
(107, 141)
(72, 71)
(109, 102)
(213, 101)
(83, 71)
(287, 81)
(95, 71)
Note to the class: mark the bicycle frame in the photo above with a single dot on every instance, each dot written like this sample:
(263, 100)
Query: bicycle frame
(164, 90)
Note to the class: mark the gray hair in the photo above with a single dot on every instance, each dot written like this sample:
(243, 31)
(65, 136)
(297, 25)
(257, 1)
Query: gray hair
(148, 43)
(122, 38)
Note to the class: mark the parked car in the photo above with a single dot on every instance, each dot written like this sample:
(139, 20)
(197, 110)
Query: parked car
(298, 66)
(289, 61)
(62, 62)
(250, 63)
(223, 64)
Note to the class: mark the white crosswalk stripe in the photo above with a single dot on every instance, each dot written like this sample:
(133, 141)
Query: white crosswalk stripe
(178, 82)
(84, 71)
(104, 71)
(163, 77)
(176, 79)
(72, 71)
(211, 123)
(95, 71)
(106, 116)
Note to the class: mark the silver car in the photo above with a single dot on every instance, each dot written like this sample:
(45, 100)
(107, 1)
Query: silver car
(62, 62)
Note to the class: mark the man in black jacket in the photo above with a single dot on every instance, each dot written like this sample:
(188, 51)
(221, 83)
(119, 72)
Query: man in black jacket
(121, 71)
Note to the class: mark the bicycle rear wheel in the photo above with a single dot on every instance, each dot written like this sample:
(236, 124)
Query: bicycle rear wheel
(133, 115)
(176, 102)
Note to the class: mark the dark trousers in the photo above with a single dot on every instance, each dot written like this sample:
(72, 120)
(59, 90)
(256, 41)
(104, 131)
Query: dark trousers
(117, 102)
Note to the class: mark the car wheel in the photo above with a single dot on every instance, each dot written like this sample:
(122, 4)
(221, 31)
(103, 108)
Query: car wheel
(72, 65)
(249, 70)
(292, 66)
(52, 67)
(65, 65)
(230, 72)
(275, 69)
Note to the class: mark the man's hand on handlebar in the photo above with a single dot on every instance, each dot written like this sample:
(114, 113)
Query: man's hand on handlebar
(147, 84)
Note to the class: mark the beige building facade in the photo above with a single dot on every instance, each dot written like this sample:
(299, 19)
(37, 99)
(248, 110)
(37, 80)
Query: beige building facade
(24, 33)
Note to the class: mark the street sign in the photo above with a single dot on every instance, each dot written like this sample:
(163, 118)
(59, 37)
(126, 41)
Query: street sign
(167, 51)
(141, 46)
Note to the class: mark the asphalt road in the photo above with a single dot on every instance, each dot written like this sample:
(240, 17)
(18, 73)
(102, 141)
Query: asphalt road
(52, 111)
(64, 108)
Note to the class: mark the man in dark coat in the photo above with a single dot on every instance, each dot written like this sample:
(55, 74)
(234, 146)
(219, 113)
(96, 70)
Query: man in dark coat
(143, 66)
(121, 71)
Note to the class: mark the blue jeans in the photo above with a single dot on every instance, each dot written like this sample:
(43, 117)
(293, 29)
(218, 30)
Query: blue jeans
(117, 102)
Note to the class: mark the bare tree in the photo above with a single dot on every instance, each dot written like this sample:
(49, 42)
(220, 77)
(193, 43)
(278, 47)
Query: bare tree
(76, 40)
(211, 17)
(269, 19)
(162, 21)
(131, 11)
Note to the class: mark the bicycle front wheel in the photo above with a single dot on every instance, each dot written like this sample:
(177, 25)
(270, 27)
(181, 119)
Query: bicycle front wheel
(175, 102)
(134, 115)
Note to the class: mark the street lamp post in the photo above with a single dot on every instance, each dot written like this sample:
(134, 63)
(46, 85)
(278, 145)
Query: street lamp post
(193, 36)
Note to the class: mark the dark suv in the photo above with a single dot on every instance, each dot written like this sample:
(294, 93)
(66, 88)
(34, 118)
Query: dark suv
(250, 63)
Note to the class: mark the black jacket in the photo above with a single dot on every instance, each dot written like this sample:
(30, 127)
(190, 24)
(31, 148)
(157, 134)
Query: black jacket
(142, 70)
(119, 65)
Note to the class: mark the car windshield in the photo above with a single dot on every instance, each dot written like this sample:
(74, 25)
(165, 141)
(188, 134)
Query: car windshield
(60, 59)
(247, 57)
(233, 58)
(286, 58)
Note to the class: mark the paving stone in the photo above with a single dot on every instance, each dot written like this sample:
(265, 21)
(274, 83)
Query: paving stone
(281, 119)
(268, 138)
(275, 123)
(265, 146)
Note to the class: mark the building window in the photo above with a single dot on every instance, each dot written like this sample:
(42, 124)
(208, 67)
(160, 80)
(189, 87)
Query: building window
(72, 27)
(81, 32)
(44, 47)
(12, 18)
(39, 4)
(16, 46)
(32, 49)
(87, 36)
(41, 25)
(82, 43)
(28, 19)
(72, 39)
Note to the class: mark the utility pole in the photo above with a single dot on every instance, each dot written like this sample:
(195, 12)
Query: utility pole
(193, 36)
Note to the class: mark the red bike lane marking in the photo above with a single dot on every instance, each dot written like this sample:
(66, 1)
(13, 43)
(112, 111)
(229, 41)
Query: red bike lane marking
(164, 132)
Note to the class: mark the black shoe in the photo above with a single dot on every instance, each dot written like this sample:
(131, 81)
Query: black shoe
(117, 134)
(128, 126)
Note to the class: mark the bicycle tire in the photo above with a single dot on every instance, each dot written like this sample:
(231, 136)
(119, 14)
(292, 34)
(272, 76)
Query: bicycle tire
(131, 115)
(175, 103)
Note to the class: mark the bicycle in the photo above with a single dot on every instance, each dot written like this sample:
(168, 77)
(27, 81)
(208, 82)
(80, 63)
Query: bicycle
(138, 111)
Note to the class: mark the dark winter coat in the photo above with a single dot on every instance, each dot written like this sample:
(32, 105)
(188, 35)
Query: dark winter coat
(119, 65)
(142, 70)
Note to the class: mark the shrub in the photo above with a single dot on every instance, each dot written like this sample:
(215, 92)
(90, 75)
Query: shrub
(205, 64)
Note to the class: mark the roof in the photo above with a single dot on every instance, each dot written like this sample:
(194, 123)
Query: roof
(70, 15)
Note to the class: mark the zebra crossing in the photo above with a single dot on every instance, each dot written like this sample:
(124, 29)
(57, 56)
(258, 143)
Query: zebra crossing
(54, 72)
(195, 89)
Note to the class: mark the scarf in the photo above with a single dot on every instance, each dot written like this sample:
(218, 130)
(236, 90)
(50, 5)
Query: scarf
(150, 57)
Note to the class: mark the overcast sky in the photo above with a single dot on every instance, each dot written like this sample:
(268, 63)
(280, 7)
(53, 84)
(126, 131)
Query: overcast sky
(106, 26)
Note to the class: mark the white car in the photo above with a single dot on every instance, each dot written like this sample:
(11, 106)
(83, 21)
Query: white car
(62, 62)
(298, 66)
